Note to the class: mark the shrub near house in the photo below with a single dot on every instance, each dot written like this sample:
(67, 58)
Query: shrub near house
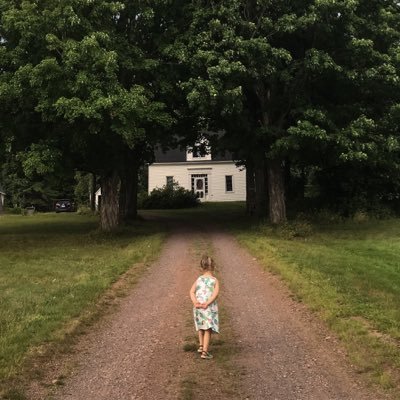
(169, 196)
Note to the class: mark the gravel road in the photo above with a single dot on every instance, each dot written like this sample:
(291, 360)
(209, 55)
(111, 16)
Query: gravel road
(285, 353)
(137, 352)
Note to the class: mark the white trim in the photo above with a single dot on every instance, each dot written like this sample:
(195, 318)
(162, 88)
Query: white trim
(200, 169)
(191, 162)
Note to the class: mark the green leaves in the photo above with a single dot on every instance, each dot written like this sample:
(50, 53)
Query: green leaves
(306, 129)
(357, 140)
(305, 80)
(39, 159)
(319, 61)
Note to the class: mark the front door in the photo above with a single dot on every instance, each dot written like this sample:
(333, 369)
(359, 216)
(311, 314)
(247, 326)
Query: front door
(199, 188)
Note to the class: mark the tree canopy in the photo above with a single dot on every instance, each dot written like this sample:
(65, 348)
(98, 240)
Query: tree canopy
(86, 68)
(305, 92)
(303, 83)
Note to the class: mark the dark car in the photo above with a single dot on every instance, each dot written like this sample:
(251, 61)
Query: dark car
(64, 205)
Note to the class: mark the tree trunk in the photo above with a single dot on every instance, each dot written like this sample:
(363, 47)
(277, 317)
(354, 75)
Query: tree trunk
(276, 191)
(303, 183)
(263, 94)
(129, 185)
(1, 205)
(128, 192)
(92, 188)
(260, 178)
(109, 210)
(250, 188)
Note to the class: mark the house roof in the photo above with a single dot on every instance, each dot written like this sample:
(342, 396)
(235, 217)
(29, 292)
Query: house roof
(171, 155)
(178, 155)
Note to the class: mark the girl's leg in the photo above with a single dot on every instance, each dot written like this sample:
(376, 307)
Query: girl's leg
(201, 337)
(206, 339)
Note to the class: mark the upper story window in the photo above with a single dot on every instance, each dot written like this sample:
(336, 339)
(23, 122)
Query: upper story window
(199, 152)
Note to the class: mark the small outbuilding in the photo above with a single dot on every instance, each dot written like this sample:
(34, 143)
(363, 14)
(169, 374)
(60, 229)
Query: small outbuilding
(97, 199)
(2, 198)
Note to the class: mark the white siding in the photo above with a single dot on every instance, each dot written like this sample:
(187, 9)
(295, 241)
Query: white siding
(216, 172)
(97, 197)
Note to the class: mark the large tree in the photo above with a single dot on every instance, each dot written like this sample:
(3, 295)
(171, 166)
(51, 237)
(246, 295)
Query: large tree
(303, 80)
(88, 70)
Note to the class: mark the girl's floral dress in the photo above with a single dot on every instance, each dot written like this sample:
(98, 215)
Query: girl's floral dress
(206, 318)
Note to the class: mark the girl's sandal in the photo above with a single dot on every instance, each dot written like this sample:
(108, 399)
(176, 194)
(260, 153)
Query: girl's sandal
(200, 349)
(206, 355)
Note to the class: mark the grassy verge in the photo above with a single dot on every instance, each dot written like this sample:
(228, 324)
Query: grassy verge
(53, 269)
(349, 273)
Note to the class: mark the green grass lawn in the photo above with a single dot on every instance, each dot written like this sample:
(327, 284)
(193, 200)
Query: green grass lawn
(349, 273)
(53, 268)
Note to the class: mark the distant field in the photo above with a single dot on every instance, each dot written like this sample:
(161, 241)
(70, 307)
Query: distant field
(54, 267)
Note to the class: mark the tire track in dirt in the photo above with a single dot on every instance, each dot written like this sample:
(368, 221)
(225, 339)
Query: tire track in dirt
(283, 352)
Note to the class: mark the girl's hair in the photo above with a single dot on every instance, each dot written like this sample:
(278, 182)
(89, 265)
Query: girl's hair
(207, 263)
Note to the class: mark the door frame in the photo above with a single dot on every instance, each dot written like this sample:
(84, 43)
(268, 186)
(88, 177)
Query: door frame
(203, 185)
(194, 177)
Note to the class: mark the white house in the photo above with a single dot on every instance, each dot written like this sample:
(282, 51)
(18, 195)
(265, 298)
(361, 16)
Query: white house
(211, 177)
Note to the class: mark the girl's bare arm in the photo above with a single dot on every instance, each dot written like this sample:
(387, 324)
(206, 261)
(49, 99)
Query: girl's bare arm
(193, 294)
(215, 293)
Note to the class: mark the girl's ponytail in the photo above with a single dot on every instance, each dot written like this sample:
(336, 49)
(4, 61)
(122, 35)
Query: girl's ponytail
(207, 263)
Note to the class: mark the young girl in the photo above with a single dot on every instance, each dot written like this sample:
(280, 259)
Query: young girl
(203, 294)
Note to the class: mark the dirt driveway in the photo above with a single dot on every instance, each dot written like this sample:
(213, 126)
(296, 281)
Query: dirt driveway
(281, 352)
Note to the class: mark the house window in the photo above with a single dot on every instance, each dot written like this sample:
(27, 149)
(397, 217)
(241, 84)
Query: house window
(170, 180)
(196, 152)
(201, 151)
(228, 183)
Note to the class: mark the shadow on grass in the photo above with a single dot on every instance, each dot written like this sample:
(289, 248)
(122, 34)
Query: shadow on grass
(47, 231)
